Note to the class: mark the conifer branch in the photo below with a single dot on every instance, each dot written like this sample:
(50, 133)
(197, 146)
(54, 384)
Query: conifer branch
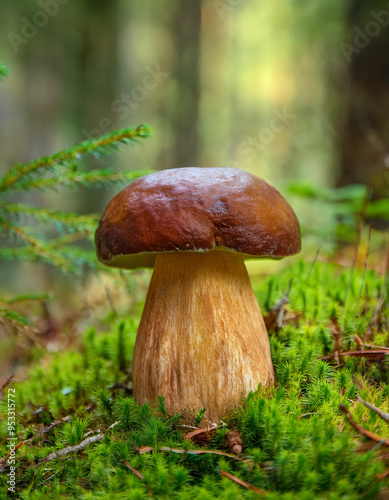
(99, 146)
(36, 244)
(85, 224)
(13, 320)
(61, 170)
(72, 179)
(13, 316)
(56, 252)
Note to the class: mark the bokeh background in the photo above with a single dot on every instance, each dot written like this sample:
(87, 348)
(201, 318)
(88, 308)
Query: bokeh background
(295, 91)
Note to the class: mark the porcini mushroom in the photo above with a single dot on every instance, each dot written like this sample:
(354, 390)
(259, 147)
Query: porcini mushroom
(202, 341)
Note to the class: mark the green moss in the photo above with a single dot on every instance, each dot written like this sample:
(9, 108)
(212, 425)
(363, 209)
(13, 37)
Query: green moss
(297, 444)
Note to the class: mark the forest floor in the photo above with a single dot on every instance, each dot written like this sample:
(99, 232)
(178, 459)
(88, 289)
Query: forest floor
(320, 433)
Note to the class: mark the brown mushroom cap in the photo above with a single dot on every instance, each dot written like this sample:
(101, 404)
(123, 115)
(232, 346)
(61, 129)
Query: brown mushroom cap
(196, 210)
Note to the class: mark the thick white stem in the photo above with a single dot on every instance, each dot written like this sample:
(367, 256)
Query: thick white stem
(202, 342)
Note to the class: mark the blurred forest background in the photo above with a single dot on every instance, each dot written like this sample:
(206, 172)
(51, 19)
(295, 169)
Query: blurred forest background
(295, 91)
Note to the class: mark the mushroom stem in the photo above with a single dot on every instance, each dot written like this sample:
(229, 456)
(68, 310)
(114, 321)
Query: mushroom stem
(202, 341)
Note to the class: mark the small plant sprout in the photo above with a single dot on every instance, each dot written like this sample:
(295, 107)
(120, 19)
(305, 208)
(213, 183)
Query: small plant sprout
(202, 341)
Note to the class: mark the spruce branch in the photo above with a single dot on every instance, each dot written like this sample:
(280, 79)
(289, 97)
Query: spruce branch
(36, 244)
(99, 146)
(85, 224)
(68, 259)
(13, 316)
(21, 233)
(37, 249)
(13, 320)
(73, 179)
(53, 172)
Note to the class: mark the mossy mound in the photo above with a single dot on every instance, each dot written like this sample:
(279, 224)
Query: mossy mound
(297, 444)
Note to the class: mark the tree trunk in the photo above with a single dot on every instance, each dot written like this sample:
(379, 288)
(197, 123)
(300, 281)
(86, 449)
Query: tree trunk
(365, 141)
(187, 30)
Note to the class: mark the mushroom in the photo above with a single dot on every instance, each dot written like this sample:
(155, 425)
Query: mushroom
(202, 341)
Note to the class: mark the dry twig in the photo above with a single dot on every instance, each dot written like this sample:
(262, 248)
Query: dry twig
(380, 413)
(137, 473)
(6, 383)
(78, 447)
(147, 449)
(242, 483)
(70, 449)
(361, 430)
(376, 355)
(44, 431)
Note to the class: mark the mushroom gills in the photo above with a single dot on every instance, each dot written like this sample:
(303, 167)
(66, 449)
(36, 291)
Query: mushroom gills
(202, 341)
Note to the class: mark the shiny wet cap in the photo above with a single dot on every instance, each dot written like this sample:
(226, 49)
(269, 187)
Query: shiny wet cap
(196, 210)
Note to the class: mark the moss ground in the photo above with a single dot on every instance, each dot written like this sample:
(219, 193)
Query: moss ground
(297, 444)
